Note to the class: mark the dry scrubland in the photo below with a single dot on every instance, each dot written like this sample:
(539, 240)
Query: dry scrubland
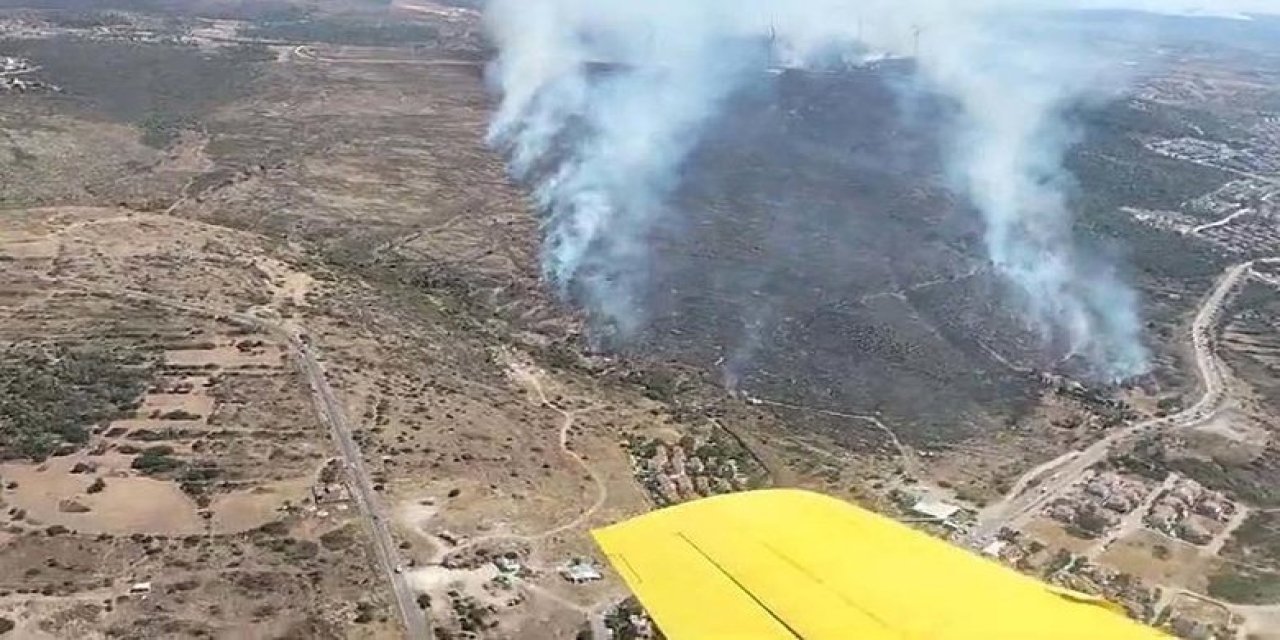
(352, 204)
(208, 203)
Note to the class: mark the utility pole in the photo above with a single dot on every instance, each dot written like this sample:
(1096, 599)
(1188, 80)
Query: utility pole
(774, 59)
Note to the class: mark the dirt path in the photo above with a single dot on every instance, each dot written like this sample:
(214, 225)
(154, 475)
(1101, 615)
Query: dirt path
(995, 355)
(902, 292)
(1213, 165)
(1267, 278)
(910, 463)
(1219, 223)
(305, 52)
(1260, 622)
(1219, 541)
(594, 614)
(568, 419)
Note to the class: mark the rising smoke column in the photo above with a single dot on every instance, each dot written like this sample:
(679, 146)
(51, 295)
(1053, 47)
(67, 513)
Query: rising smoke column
(1013, 86)
(603, 100)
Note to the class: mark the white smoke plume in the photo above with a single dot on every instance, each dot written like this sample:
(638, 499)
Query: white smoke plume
(603, 100)
(1006, 154)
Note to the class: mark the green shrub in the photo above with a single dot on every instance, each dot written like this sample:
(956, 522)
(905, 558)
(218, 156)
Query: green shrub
(156, 460)
(51, 395)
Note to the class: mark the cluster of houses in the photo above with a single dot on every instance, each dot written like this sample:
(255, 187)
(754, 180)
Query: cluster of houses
(1241, 157)
(1116, 493)
(1186, 510)
(1100, 504)
(130, 33)
(16, 76)
(686, 470)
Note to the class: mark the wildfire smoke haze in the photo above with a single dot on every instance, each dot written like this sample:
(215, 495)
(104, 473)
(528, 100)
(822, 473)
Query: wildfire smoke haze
(603, 101)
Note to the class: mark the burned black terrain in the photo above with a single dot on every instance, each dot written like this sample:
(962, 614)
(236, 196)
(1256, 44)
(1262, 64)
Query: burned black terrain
(817, 255)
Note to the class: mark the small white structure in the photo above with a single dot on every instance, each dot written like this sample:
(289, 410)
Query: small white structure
(581, 572)
(140, 588)
(936, 509)
(507, 564)
(994, 549)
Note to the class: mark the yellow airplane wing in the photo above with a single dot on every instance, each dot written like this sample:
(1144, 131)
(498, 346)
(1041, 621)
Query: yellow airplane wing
(786, 564)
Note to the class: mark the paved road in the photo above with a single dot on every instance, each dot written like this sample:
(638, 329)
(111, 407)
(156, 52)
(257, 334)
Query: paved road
(413, 619)
(411, 616)
(1017, 507)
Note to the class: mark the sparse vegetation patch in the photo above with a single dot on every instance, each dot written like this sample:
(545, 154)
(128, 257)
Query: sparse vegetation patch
(51, 395)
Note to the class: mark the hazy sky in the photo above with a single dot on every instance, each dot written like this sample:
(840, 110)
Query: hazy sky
(1199, 7)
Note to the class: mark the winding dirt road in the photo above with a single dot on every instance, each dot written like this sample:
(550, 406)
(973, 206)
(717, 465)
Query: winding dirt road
(594, 615)
(1219, 223)
(910, 464)
(568, 419)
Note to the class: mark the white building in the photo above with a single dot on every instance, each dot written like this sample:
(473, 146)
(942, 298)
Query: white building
(936, 509)
(581, 572)
(507, 564)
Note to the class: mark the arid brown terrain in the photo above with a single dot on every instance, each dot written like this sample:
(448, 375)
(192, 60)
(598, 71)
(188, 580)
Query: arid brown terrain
(296, 209)
(277, 360)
